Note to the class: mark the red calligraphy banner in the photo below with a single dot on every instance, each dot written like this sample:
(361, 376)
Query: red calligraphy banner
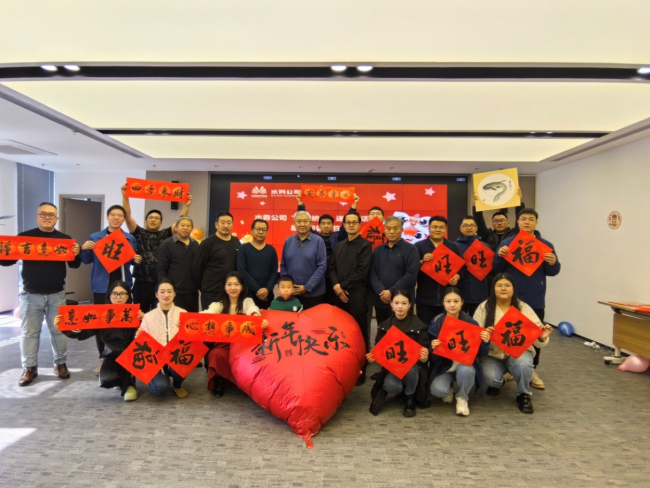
(205, 327)
(141, 359)
(527, 253)
(397, 352)
(327, 193)
(479, 259)
(515, 333)
(114, 250)
(373, 232)
(13, 248)
(182, 355)
(444, 265)
(459, 341)
(79, 317)
(157, 190)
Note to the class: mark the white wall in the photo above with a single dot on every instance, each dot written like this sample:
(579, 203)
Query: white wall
(99, 184)
(597, 263)
(8, 206)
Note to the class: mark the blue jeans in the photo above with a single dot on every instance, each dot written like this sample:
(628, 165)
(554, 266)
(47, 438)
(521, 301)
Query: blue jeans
(521, 370)
(33, 308)
(395, 386)
(464, 375)
(160, 384)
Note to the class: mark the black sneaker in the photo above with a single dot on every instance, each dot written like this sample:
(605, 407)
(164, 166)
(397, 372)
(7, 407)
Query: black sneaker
(378, 402)
(525, 403)
(493, 391)
(409, 408)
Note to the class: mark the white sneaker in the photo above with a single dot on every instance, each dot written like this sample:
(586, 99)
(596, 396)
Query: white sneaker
(131, 394)
(461, 407)
(449, 397)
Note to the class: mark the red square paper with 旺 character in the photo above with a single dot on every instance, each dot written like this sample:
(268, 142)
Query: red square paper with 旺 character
(114, 250)
(459, 341)
(397, 352)
(444, 265)
(478, 259)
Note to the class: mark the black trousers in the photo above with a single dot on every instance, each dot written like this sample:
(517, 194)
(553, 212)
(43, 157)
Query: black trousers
(99, 299)
(262, 304)
(427, 313)
(382, 314)
(330, 296)
(208, 298)
(144, 293)
(310, 302)
(540, 313)
(470, 308)
(187, 301)
(357, 307)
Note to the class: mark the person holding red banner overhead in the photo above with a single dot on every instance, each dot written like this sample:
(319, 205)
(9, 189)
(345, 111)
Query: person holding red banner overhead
(233, 301)
(474, 290)
(445, 371)
(43, 293)
(428, 300)
(387, 383)
(531, 289)
(100, 278)
(148, 238)
(503, 295)
(112, 374)
(162, 323)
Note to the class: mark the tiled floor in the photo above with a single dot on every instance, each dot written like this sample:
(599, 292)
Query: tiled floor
(590, 428)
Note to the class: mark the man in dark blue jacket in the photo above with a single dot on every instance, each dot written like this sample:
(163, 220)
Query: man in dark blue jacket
(531, 289)
(475, 291)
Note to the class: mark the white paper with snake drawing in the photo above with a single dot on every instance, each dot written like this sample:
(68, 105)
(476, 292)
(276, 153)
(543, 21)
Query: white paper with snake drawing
(496, 189)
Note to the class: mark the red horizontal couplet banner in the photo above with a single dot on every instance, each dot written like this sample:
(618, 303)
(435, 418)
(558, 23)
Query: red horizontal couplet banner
(26, 248)
(444, 265)
(527, 253)
(157, 190)
(140, 358)
(515, 333)
(182, 355)
(459, 341)
(327, 193)
(221, 328)
(397, 352)
(479, 259)
(114, 250)
(373, 232)
(79, 317)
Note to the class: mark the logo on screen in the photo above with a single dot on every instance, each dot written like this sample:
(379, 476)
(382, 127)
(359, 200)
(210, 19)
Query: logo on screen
(259, 190)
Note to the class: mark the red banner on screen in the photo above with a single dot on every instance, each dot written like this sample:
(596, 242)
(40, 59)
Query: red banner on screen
(327, 193)
(157, 190)
(79, 317)
(206, 327)
(114, 250)
(13, 248)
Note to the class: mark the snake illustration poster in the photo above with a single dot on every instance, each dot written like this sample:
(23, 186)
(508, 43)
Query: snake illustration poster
(496, 189)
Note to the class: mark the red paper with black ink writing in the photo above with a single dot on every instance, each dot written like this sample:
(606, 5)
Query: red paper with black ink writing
(141, 358)
(182, 355)
(327, 193)
(478, 259)
(80, 317)
(515, 333)
(397, 352)
(13, 248)
(527, 253)
(114, 250)
(373, 232)
(459, 341)
(157, 190)
(221, 328)
(444, 265)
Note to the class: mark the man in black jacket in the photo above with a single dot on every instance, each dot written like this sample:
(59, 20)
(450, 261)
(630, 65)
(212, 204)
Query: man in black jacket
(43, 294)
(500, 227)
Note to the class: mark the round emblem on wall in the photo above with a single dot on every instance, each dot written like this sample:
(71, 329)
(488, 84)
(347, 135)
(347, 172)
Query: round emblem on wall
(614, 220)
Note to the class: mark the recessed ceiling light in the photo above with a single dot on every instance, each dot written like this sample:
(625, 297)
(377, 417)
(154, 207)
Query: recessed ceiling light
(364, 68)
(339, 68)
(549, 132)
(533, 132)
(49, 67)
(644, 70)
(71, 67)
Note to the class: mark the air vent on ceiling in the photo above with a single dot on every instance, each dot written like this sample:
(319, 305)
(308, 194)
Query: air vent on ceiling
(14, 148)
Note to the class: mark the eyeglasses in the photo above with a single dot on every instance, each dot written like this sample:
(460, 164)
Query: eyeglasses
(499, 221)
(119, 295)
(347, 222)
(46, 215)
(260, 230)
(467, 226)
(435, 227)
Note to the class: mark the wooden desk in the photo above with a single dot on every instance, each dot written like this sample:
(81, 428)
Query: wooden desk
(631, 331)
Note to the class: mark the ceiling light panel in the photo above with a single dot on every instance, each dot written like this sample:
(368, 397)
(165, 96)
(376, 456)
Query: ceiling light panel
(358, 105)
(474, 31)
(506, 150)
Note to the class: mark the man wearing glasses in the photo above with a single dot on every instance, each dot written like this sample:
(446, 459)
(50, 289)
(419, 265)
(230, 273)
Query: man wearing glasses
(474, 290)
(429, 296)
(348, 270)
(258, 264)
(43, 293)
(500, 227)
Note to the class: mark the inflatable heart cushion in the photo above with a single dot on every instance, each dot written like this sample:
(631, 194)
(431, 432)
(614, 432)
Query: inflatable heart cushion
(307, 365)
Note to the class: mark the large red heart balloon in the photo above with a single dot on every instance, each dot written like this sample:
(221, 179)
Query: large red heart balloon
(306, 366)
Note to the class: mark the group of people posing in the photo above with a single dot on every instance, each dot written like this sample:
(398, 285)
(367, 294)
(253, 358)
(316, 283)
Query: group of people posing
(174, 273)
